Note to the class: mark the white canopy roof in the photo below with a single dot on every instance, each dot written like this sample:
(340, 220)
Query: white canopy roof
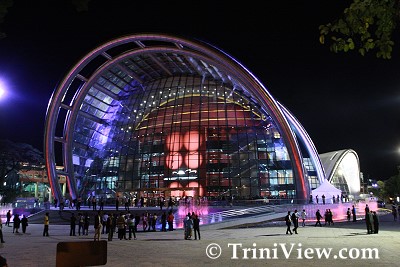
(327, 189)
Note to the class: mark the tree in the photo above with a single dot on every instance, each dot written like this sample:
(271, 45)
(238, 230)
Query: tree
(366, 25)
(392, 185)
(13, 157)
(379, 190)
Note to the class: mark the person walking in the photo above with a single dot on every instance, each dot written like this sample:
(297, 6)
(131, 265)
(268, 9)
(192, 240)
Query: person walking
(46, 224)
(318, 216)
(196, 226)
(72, 225)
(288, 221)
(303, 217)
(24, 223)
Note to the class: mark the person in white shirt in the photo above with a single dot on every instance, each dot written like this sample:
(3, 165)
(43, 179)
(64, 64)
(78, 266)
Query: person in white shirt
(303, 216)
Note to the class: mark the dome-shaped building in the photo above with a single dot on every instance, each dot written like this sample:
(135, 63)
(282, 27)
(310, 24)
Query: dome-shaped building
(155, 115)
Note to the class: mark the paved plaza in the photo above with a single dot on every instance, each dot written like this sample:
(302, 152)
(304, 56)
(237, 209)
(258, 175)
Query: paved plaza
(268, 245)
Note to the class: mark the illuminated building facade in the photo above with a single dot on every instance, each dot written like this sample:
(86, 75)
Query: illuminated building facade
(158, 116)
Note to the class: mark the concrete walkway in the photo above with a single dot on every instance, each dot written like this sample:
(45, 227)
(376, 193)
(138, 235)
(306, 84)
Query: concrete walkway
(170, 249)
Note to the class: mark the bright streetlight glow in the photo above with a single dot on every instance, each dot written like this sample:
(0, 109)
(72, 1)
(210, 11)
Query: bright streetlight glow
(2, 89)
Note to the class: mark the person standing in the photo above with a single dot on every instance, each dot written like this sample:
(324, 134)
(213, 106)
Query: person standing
(110, 226)
(196, 226)
(72, 225)
(17, 223)
(303, 217)
(104, 222)
(46, 225)
(353, 212)
(288, 222)
(318, 216)
(94, 203)
(366, 211)
(154, 222)
(348, 214)
(24, 223)
(323, 199)
(131, 227)
(121, 226)
(81, 224)
(170, 221)
(370, 222)
(376, 222)
(164, 222)
(394, 213)
(8, 218)
(102, 203)
(1, 231)
(98, 226)
(295, 220)
(86, 223)
(317, 199)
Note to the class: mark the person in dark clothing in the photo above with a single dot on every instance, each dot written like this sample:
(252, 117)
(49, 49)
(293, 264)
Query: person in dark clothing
(24, 223)
(353, 211)
(170, 221)
(376, 222)
(17, 223)
(318, 216)
(137, 220)
(72, 225)
(164, 222)
(1, 231)
(348, 214)
(102, 203)
(196, 226)
(46, 225)
(288, 221)
(8, 218)
(295, 221)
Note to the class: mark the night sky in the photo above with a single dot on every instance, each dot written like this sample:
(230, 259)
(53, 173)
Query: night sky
(344, 101)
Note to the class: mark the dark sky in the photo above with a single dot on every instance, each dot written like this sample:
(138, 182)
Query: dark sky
(342, 100)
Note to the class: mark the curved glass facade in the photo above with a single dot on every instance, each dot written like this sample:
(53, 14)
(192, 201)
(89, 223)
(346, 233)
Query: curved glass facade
(159, 116)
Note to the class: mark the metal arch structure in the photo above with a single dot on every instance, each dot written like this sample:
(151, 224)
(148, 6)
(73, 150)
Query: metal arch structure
(135, 60)
(309, 144)
(343, 164)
